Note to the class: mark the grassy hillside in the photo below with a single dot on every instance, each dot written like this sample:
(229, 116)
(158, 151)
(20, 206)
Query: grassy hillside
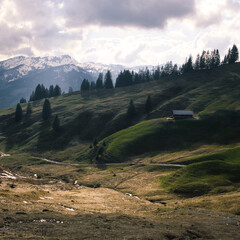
(221, 127)
(150, 178)
(99, 114)
(215, 173)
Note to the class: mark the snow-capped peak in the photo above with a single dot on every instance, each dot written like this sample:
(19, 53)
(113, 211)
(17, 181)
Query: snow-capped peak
(37, 62)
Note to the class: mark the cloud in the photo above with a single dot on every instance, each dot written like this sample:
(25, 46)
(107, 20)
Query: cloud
(135, 13)
(132, 32)
(129, 58)
(26, 51)
(214, 12)
(11, 38)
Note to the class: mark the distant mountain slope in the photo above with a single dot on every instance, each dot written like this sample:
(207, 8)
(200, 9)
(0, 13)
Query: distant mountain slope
(96, 68)
(19, 76)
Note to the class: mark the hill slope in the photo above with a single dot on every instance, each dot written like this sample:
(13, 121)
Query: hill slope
(99, 114)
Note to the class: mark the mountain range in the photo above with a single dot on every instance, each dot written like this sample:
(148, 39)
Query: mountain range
(20, 75)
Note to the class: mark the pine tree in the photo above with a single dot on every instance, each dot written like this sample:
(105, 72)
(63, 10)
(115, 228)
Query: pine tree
(23, 100)
(225, 60)
(85, 86)
(57, 91)
(197, 63)
(131, 112)
(208, 60)
(32, 96)
(56, 124)
(175, 71)
(38, 92)
(18, 113)
(148, 105)
(51, 91)
(189, 64)
(203, 60)
(92, 85)
(124, 78)
(229, 55)
(46, 111)
(147, 75)
(108, 80)
(233, 56)
(217, 58)
(99, 82)
(157, 73)
(29, 109)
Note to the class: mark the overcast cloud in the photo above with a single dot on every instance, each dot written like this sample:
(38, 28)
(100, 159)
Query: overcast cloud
(130, 32)
(137, 13)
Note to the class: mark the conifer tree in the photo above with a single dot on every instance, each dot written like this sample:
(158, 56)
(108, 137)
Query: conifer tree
(217, 58)
(57, 91)
(203, 60)
(124, 78)
(197, 63)
(46, 111)
(189, 66)
(108, 80)
(85, 86)
(157, 73)
(208, 60)
(131, 112)
(29, 109)
(38, 92)
(23, 100)
(51, 91)
(99, 82)
(32, 96)
(229, 55)
(18, 113)
(148, 105)
(147, 75)
(92, 85)
(56, 124)
(233, 55)
(225, 60)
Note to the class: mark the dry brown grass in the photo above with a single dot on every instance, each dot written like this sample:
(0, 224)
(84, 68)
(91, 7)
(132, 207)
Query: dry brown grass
(50, 208)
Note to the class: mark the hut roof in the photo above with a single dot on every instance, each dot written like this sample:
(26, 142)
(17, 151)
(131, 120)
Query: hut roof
(183, 112)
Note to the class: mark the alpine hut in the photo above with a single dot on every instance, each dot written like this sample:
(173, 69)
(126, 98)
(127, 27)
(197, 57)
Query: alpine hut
(182, 114)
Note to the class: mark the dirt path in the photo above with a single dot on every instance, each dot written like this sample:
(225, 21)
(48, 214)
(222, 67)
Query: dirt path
(115, 164)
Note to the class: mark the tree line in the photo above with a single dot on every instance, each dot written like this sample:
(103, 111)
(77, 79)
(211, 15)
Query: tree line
(42, 92)
(101, 82)
(205, 60)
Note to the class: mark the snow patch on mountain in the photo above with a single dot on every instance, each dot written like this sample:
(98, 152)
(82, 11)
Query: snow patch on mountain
(19, 67)
(37, 62)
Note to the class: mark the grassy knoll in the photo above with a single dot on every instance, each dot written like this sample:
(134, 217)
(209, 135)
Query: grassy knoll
(215, 173)
(200, 178)
(230, 155)
(159, 135)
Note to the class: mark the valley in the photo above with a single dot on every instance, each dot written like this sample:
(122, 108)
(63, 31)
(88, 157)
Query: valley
(104, 175)
(129, 204)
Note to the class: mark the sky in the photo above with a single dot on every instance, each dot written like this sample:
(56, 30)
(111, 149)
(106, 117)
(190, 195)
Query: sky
(126, 32)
